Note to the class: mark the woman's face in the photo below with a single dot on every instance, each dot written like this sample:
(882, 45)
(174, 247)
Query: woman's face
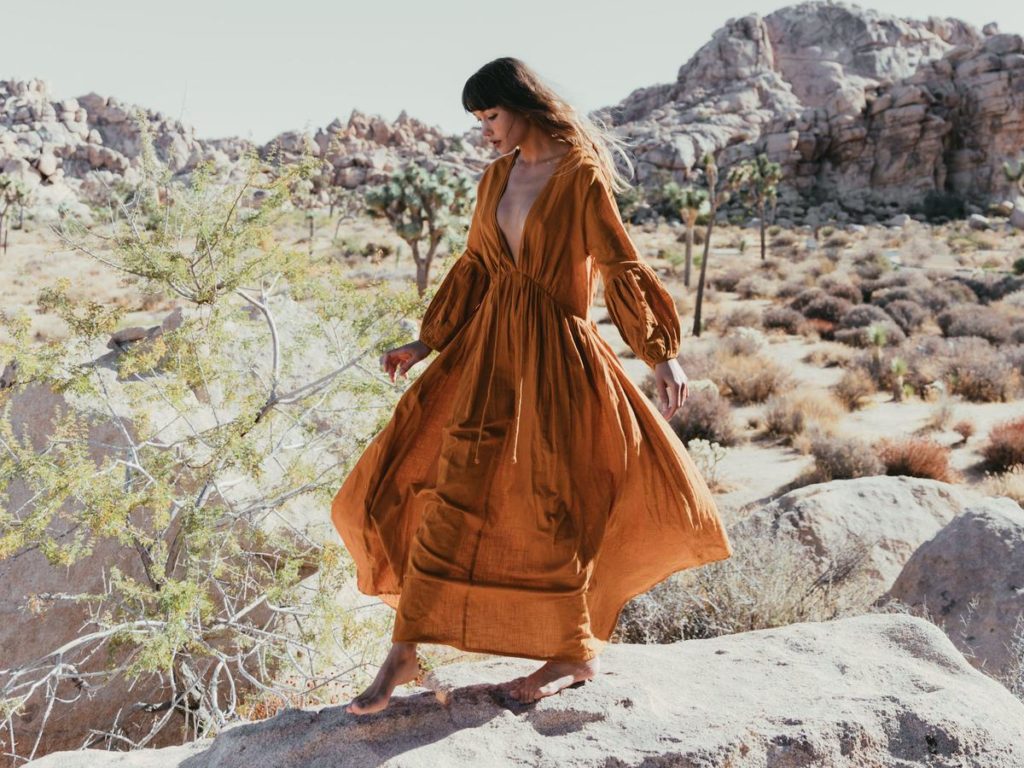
(501, 128)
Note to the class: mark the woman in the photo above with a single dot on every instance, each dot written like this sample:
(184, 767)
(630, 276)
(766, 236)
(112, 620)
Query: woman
(525, 489)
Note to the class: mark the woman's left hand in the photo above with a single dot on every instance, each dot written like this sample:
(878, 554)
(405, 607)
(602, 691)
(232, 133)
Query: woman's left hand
(670, 383)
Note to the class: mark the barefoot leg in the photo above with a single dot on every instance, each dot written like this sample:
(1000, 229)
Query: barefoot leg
(550, 679)
(400, 666)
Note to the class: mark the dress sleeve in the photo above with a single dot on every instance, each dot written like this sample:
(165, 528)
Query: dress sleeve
(637, 301)
(460, 293)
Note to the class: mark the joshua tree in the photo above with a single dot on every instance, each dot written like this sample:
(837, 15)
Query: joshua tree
(898, 366)
(691, 202)
(13, 192)
(716, 197)
(422, 206)
(759, 180)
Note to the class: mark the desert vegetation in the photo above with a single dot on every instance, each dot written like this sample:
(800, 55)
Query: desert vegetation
(205, 568)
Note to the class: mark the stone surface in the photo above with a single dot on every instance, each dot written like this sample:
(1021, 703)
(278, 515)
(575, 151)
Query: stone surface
(879, 690)
(891, 515)
(979, 555)
(859, 107)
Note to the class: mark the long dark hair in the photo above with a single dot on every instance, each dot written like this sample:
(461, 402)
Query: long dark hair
(509, 83)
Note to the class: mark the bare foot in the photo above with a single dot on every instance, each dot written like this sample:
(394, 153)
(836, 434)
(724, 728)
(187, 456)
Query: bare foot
(401, 666)
(550, 679)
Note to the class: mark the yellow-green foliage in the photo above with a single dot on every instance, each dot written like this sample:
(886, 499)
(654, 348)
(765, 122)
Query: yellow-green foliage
(196, 561)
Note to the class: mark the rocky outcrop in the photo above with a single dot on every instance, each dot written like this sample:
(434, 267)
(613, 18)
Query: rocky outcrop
(970, 578)
(888, 517)
(74, 151)
(367, 148)
(879, 690)
(868, 114)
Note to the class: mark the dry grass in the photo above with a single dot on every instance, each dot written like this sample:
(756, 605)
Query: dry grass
(916, 457)
(1009, 483)
(704, 415)
(838, 457)
(768, 582)
(1004, 447)
(855, 388)
(749, 378)
(792, 413)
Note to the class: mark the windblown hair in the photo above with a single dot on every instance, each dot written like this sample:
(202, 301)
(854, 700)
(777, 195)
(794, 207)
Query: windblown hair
(509, 83)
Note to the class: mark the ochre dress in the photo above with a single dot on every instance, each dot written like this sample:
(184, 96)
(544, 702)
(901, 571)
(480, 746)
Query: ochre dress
(525, 489)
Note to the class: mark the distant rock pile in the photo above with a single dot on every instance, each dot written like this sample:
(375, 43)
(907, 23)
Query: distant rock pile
(75, 151)
(869, 114)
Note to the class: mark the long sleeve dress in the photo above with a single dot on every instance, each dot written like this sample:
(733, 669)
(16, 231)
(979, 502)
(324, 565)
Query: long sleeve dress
(525, 489)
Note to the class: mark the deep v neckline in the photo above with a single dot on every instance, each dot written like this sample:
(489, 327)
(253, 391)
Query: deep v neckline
(517, 260)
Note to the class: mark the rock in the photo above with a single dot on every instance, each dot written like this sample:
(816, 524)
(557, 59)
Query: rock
(899, 220)
(880, 690)
(980, 555)
(890, 515)
(1001, 208)
(1017, 215)
(979, 222)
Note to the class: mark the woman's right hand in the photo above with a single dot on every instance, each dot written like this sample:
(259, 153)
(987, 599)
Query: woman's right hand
(399, 360)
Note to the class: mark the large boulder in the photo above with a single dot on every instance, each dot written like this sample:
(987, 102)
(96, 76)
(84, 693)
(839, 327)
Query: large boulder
(970, 578)
(879, 690)
(889, 516)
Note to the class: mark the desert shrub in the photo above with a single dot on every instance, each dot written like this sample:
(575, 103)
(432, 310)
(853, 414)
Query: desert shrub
(754, 287)
(916, 457)
(907, 314)
(883, 296)
(862, 315)
(974, 320)
(699, 363)
(854, 388)
(939, 206)
(789, 289)
(742, 317)
(989, 288)
(826, 307)
(1004, 446)
(176, 482)
(788, 414)
(843, 290)
(705, 415)
(785, 318)
(837, 240)
(770, 581)
(727, 280)
(804, 297)
(864, 336)
(1010, 484)
(743, 341)
(1018, 266)
(965, 428)
(784, 239)
(1014, 356)
(750, 378)
(839, 457)
(950, 292)
(871, 265)
(982, 374)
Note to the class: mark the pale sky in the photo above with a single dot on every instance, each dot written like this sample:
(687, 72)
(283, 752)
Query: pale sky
(253, 68)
